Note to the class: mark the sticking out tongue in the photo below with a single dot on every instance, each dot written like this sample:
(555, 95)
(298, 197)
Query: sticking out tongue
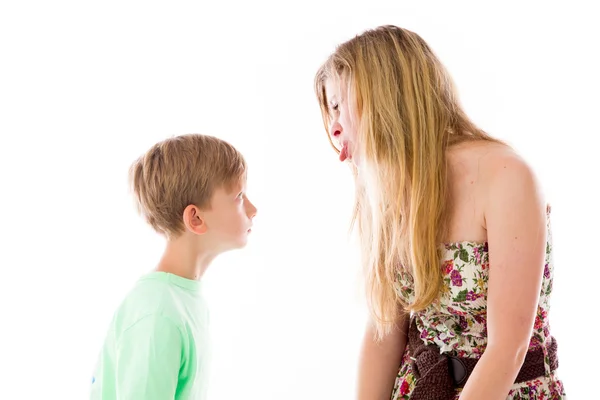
(344, 152)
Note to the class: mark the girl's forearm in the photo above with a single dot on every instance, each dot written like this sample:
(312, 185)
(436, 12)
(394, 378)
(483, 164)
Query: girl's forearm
(494, 375)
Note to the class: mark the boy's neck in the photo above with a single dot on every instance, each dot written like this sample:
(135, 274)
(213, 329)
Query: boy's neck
(185, 257)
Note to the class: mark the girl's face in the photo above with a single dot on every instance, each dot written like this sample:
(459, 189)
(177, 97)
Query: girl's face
(342, 126)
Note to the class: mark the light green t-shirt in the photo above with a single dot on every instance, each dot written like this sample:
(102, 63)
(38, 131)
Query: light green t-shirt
(157, 344)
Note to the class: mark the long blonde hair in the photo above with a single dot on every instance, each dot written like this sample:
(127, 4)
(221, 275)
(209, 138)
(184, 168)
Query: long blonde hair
(408, 114)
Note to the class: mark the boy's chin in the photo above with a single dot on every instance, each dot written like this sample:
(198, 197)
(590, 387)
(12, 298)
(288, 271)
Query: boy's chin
(242, 243)
(238, 244)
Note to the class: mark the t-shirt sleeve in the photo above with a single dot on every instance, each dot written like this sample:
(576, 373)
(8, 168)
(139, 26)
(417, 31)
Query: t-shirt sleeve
(148, 360)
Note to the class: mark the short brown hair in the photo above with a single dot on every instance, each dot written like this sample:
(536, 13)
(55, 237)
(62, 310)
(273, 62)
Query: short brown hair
(180, 171)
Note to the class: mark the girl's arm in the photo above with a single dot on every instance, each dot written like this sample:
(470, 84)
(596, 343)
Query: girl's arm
(380, 361)
(515, 218)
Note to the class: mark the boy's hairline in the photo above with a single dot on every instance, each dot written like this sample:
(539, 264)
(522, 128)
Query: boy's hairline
(230, 186)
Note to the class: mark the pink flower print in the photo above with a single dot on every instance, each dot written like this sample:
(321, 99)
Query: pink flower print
(448, 266)
(538, 323)
(480, 319)
(534, 342)
(455, 312)
(532, 388)
(456, 278)
(546, 271)
(472, 296)
(464, 325)
(477, 255)
(404, 388)
(540, 318)
(546, 330)
(556, 387)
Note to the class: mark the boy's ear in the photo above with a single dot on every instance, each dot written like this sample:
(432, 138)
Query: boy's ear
(194, 220)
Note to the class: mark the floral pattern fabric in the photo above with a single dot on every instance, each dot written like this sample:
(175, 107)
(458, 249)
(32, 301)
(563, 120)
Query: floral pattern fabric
(457, 324)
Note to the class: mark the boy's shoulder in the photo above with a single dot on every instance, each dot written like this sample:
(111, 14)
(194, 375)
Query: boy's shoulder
(157, 295)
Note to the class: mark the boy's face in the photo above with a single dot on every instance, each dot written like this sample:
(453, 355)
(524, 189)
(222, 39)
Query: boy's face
(229, 219)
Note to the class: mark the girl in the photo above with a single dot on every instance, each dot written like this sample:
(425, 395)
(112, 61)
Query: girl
(454, 231)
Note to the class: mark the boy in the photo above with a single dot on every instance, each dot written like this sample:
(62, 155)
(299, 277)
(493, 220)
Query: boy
(191, 189)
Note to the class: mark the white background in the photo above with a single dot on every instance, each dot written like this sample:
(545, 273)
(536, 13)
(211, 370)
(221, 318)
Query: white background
(86, 87)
